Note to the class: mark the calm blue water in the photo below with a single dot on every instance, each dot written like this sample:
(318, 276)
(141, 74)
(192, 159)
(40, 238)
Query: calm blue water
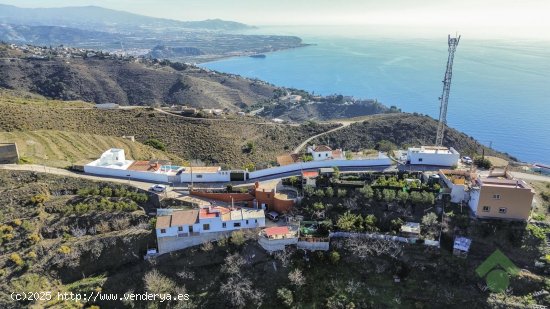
(500, 91)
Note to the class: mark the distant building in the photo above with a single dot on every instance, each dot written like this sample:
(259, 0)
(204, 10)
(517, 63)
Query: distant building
(295, 98)
(432, 155)
(501, 196)
(411, 229)
(185, 228)
(324, 152)
(106, 106)
(541, 168)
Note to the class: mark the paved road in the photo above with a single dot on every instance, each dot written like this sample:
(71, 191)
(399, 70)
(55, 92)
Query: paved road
(62, 172)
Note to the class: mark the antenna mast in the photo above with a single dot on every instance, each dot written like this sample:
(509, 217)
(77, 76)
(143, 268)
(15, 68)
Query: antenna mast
(453, 42)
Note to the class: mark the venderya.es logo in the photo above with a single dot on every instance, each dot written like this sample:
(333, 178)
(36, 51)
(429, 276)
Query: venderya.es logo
(496, 270)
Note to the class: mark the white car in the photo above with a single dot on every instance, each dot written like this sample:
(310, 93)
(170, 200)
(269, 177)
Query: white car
(467, 160)
(158, 188)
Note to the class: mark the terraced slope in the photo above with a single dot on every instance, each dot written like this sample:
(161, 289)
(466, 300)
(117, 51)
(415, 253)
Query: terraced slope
(226, 142)
(62, 149)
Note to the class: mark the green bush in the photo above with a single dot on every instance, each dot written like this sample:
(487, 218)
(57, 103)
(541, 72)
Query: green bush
(350, 222)
(237, 238)
(16, 259)
(482, 162)
(155, 143)
(285, 296)
(334, 257)
(367, 192)
(537, 232)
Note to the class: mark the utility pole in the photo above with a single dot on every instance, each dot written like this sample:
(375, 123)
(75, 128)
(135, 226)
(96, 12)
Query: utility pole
(453, 42)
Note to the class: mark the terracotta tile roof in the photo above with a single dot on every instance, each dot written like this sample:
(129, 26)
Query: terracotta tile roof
(322, 148)
(276, 230)
(185, 217)
(163, 222)
(144, 166)
(310, 174)
(287, 159)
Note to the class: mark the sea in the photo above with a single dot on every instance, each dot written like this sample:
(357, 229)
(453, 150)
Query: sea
(500, 92)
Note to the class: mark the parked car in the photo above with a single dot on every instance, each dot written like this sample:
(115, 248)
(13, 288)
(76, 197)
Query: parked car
(273, 216)
(467, 160)
(158, 188)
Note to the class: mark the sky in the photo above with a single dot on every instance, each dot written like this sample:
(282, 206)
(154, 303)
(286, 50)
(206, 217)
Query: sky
(524, 18)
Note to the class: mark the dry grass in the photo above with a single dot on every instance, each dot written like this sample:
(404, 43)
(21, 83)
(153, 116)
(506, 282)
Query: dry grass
(62, 149)
(217, 142)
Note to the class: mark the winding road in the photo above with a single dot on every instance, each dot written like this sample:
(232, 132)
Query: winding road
(343, 125)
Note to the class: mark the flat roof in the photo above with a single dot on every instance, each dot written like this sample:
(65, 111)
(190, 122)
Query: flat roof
(462, 243)
(504, 182)
(144, 166)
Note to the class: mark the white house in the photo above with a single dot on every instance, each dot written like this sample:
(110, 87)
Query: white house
(324, 152)
(107, 106)
(432, 155)
(184, 228)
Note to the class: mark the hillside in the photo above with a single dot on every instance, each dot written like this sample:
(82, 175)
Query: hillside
(232, 143)
(128, 82)
(50, 242)
(403, 130)
(62, 149)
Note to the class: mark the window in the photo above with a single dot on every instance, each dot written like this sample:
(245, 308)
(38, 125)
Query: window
(486, 208)
(255, 220)
(162, 231)
(246, 221)
(224, 225)
(199, 176)
(319, 155)
(496, 196)
(237, 224)
(180, 228)
(326, 154)
(419, 159)
(502, 210)
(190, 229)
(268, 195)
(206, 227)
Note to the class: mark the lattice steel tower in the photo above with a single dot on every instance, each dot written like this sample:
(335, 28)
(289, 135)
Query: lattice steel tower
(453, 42)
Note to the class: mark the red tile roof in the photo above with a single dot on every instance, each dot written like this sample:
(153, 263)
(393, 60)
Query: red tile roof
(277, 230)
(322, 148)
(310, 174)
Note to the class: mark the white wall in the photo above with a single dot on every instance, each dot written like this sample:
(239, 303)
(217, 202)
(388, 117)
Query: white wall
(122, 173)
(221, 176)
(319, 164)
(474, 200)
(458, 193)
